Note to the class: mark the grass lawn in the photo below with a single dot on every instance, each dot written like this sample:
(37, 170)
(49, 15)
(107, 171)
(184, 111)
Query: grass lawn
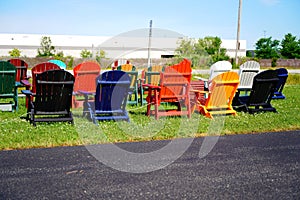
(16, 133)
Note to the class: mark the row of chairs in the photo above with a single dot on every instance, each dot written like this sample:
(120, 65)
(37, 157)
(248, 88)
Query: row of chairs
(249, 90)
(174, 87)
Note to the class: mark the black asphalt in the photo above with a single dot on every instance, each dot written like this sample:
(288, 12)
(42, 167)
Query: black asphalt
(254, 166)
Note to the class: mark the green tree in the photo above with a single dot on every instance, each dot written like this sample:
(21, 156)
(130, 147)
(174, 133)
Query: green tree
(290, 47)
(100, 55)
(86, 54)
(266, 48)
(203, 52)
(211, 46)
(186, 48)
(46, 48)
(15, 53)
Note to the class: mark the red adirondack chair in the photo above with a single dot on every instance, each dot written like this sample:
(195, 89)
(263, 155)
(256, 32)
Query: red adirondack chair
(85, 75)
(21, 73)
(38, 69)
(174, 88)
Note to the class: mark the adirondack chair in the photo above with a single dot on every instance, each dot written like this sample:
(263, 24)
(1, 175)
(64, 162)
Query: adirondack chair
(247, 72)
(110, 97)
(263, 87)
(37, 69)
(8, 89)
(126, 67)
(151, 76)
(174, 88)
(282, 75)
(52, 99)
(21, 67)
(216, 69)
(85, 75)
(220, 96)
(133, 95)
(196, 85)
(119, 62)
(60, 63)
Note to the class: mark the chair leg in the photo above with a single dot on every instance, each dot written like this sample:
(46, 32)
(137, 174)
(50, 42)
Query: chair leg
(156, 111)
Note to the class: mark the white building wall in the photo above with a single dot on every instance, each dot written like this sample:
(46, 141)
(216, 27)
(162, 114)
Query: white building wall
(115, 47)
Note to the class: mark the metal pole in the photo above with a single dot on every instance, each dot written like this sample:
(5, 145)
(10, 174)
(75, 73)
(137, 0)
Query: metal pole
(238, 33)
(149, 44)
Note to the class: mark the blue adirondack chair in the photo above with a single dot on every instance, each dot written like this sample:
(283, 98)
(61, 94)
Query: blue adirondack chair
(282, 75)
(110, 98)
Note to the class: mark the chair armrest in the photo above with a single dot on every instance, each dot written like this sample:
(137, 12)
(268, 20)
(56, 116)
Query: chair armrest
(151, 86)
(27, 92)
(26, 83)
(85, 93)
(200, 91)
(201, 79)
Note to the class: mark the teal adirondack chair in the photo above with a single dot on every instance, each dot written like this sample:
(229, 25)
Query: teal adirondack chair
(8, 89)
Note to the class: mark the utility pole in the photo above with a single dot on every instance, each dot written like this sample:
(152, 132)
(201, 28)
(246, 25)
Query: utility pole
(238, 33)
(149, 44)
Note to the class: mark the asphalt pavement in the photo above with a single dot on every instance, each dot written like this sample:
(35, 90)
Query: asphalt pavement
(249, 166)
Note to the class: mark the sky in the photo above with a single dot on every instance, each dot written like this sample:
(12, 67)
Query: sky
(192, 18)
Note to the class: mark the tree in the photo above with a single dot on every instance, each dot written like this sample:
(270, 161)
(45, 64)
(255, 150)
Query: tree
(212, 46)
(15, 53)
(186, 48)
(267, 48)
(46, 49)
(100, 55)
(203, 52)
(86, 54)
(290, 47)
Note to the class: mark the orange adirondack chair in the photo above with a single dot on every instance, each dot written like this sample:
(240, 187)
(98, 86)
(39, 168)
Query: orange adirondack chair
(174, 88)
(85, 75)
(126, 67)
(219, 100)
(21, 73)
(38, 69)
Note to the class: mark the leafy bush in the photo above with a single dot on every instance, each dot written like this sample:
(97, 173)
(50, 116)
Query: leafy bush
(15, 53)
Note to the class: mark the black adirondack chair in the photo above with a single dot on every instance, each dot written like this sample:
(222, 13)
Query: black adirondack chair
(282, 75)
(260, 97)
(110, 98)
(53, 97)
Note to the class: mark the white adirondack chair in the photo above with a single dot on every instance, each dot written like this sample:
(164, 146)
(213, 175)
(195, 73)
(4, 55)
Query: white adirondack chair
(247, 72)
(216, 69)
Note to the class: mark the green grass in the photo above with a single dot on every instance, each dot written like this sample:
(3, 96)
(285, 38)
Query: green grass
(16, 133)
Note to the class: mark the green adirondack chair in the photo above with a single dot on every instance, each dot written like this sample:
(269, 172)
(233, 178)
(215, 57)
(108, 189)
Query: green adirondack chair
(8, 89)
